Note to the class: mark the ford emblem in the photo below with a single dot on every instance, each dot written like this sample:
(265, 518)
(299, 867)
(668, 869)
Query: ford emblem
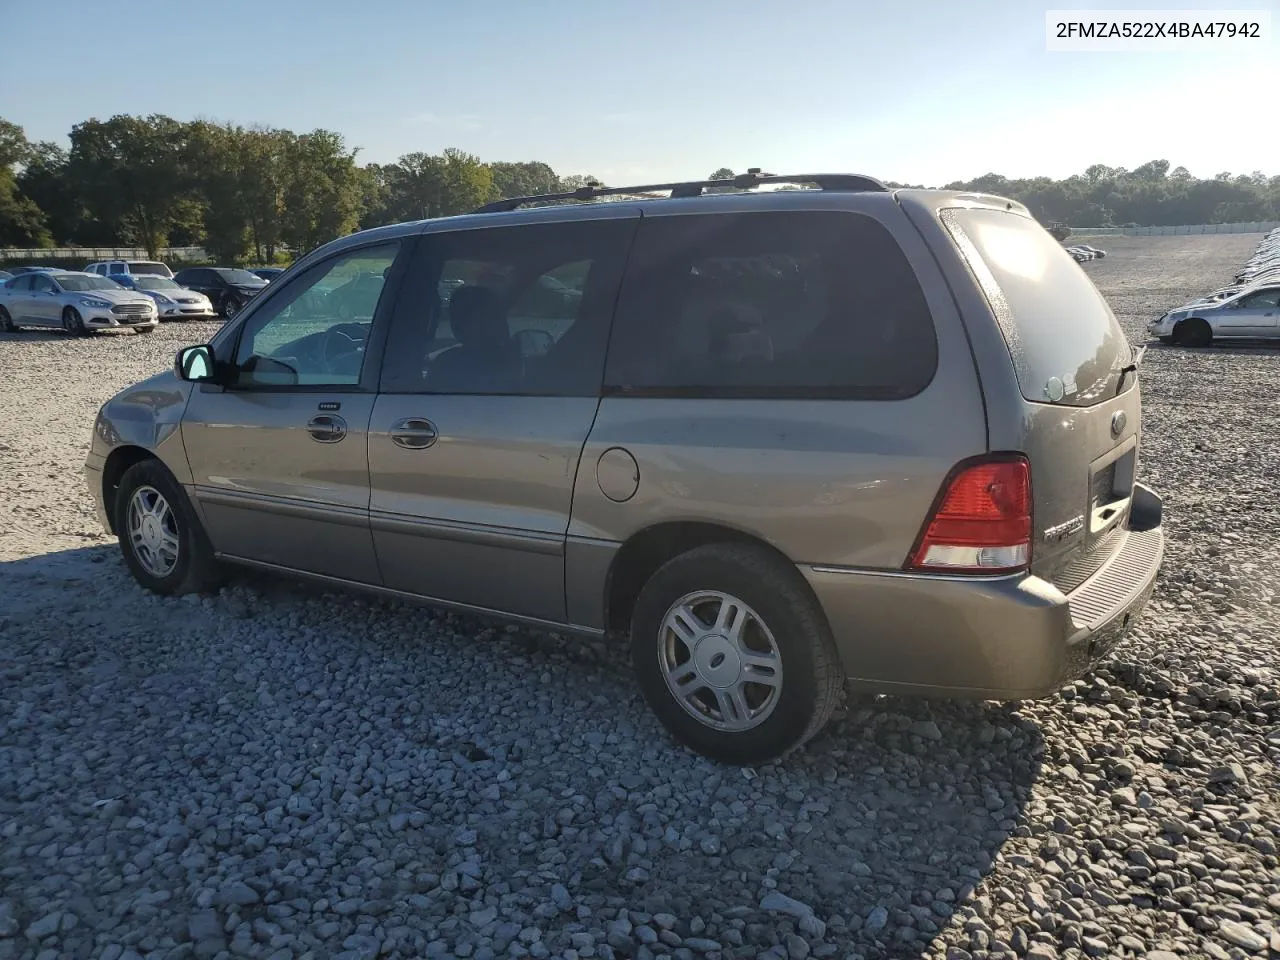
(1118, 421)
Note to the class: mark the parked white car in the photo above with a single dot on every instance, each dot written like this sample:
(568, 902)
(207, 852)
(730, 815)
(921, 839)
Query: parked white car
(1253, 313)
(76, 302)
(107, 268)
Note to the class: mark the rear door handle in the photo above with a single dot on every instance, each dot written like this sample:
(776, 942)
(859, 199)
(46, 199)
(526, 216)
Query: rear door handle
(327, 428)
(413, 433)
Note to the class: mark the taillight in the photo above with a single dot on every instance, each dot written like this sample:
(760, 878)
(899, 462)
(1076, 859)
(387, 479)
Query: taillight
(982, 523)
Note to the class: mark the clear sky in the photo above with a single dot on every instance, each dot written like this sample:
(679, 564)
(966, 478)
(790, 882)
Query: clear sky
(924, 92)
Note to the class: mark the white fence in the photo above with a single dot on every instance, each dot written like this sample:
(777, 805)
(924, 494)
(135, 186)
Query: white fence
(1260, 226)
(100, 253)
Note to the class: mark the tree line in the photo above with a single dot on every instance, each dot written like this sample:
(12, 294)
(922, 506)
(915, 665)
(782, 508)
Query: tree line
(245, 193)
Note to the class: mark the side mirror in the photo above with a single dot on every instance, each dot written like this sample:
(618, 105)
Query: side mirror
(194, 363)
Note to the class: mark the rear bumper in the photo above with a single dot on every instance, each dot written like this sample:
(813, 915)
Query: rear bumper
(1009, 638)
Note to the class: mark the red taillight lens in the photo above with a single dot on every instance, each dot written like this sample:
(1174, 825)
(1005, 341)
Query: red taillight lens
(983, 522)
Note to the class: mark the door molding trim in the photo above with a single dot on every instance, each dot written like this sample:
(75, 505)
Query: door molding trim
(418, 598)
(282, 506)
(505, 538)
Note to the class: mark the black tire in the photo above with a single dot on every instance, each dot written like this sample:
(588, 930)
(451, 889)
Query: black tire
(6, 322)
(230, 307)
(72, 322)
(812, 679)
(1192, 332)
(195, 570)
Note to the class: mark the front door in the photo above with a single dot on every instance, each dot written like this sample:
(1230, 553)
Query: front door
(1254, 315)
(279, 457)
(45, 306)
(489, 390)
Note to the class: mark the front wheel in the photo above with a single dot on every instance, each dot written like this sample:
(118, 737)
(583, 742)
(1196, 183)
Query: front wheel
(1193, 332)
(734, 655)
(230, 307)
(163, 544)
(72, 322)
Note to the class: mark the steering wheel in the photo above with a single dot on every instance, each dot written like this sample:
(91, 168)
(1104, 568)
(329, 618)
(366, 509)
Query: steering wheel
(338, 348)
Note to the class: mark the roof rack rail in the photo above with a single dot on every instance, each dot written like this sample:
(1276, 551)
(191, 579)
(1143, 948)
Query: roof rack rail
(850, 182)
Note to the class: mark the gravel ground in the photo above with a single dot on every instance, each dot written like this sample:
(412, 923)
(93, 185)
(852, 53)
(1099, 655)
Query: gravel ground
(282, 772)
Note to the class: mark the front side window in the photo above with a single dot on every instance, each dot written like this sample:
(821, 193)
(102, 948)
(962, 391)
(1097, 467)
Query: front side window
(42, 284)
(771, 304)
(314, 332)
(510, 311)
(1262, 300)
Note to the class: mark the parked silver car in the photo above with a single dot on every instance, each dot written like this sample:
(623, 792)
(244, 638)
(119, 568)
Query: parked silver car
(173, 300)
(77, 302)
(784, 441)
(1251, 313)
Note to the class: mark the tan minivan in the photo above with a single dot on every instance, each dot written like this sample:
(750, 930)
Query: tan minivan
(788, 441)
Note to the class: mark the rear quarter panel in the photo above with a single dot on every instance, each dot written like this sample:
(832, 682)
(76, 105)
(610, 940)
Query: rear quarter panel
(1062, 442)
(844, 483)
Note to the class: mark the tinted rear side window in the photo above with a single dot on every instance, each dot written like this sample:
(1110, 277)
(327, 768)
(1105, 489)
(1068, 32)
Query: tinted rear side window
(1063, 338)
(791, 304)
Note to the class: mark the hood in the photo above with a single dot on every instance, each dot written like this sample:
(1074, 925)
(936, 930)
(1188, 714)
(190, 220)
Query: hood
(112, 296)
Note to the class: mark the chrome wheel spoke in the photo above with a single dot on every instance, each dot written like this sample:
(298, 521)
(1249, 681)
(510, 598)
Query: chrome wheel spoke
(731, 619)
(684, 680)
(762, 669)
(684, 623)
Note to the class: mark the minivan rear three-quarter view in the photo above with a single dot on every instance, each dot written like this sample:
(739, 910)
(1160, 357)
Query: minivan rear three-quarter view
(783, 443)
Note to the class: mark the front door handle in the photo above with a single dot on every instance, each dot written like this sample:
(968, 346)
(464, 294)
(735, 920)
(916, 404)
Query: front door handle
(413, 433)
(327, 428)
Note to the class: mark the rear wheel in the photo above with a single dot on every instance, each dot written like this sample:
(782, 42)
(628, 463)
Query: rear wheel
(6, 322)
(72, 322)
(163, 544)
(1192, 332)
(734, 655)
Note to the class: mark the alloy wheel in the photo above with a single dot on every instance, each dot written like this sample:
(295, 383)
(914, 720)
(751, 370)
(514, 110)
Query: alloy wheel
(720, 661)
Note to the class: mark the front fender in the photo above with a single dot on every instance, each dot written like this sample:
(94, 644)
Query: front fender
(147, 415)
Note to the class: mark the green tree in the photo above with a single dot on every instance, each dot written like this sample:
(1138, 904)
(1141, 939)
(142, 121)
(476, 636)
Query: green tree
(420, 185)
(523, 179)
(724, 173)
(22, 222)
(321, 190)
(43, 178)
(131, 174)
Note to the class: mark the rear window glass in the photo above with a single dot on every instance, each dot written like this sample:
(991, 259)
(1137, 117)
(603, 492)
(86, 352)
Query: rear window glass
(148, 266)
(1065, 343)
(802, 304)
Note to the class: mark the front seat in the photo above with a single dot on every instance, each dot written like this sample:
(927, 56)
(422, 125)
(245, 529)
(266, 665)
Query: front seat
(486, 359)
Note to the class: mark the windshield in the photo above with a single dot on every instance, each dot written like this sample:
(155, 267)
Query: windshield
(239, 276)
(150, 267)
(1062, 336)
(146, 281)
(79, 282)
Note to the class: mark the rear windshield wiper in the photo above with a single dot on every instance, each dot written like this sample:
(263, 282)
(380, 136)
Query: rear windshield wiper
(1132, 367)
